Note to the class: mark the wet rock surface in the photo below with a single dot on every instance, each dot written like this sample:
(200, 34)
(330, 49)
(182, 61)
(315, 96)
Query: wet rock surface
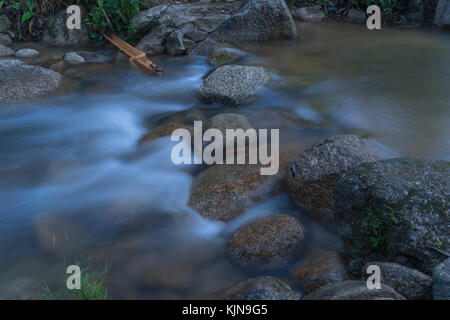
(267, 243)
(223, 53)
(410, 283)
(353, 290)
(309, 14)
(56, 32)
(262, 288)
(312, 176)
(20, 81)
(5, 51)
(441, 281)
(232, 85)
(395, 207)
(319, 269)
(223, 192)
(259, 20)
(442, 16)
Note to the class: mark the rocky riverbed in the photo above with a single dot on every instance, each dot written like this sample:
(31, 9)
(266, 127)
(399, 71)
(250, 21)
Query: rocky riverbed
(364, 156)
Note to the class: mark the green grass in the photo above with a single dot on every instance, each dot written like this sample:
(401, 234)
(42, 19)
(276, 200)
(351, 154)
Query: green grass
(92, 284)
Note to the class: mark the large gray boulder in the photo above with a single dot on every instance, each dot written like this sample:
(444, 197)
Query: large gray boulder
(147, 19)
(353, 290)
(441, 281)
(410, 283)
(20, 81)
(259, 20)
(442, 16)
(262, 288)
(175, 43)
(266, 243)
(312, 176)
(396, 207)
(5, 39)
(232, 85)
(57, 33)
(164, 20)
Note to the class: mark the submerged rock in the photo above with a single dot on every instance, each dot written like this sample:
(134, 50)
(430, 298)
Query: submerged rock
(312, 176)
(267, 243)
(26, 53)
(224, 121)
(441, 281)
(410, 283)
(395, 207)
(74, 58)
(5, 51)
(442, 16)
(262, 288)
(353, 290)
(163, 131)
(309, 14)
(20, 81)
(319, 269)
(56, 31)
(223, 192)
(259, 20)
(223, 53)
(232, 85)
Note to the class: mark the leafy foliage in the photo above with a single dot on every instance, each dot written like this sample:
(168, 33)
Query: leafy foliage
(376, 223)
(105, 15)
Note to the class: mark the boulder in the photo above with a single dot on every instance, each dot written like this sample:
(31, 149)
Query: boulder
(147, 19)
(395, 207)
(204, 48)
(262, 288)
(309, 14)
(353, 290)
(163, 131)
(5, 51)
(442, 15)
(410, 283)
(73, 58)
(163, 20)
(26, 53)
(5, 24)
(224, 121)
(312, 176)
(356, 15)
(267, 243)
(259, 20)
(232, 85)
(223, 53)
(153, 44)
(441, 281)
(5, 39)
(319, 269)
(223, 192)
(174, 43)
(20, 81)
(56, 32)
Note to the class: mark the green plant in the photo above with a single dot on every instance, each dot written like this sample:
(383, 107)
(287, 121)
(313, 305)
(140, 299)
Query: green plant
(376, 223)
(28, 11)
(92, 284)
(105, 15)
(438, 242)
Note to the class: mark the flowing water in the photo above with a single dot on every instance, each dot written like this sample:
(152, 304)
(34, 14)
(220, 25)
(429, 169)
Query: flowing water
(74, 183)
